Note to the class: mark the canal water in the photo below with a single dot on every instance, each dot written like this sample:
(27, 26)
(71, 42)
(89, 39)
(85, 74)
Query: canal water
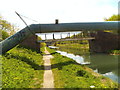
(104, 64)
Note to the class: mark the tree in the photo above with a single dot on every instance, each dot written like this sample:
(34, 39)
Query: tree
(4, 34)
(113, 18)
(6, 26)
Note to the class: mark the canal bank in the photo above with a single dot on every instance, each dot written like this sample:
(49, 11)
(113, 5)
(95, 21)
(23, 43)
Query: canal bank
(101, 63)
(69, 74)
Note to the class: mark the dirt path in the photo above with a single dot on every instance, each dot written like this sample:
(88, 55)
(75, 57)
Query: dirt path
(48, 75)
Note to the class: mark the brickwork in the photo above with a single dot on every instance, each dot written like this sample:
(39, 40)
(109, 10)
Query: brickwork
(31, 42)
(104, 42)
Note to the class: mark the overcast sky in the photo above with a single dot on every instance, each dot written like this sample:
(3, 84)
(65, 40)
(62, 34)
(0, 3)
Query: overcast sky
(46, 11)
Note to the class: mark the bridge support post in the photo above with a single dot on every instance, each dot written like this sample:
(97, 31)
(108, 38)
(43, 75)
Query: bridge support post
(61, 35)
(53, 36)
(45, 37)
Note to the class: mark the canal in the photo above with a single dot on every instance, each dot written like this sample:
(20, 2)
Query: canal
(104, 64)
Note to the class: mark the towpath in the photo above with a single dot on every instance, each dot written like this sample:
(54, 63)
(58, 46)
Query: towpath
(48, 81)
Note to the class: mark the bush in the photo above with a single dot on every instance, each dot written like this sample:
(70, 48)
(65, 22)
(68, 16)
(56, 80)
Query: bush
(115, 52)
(4, 34)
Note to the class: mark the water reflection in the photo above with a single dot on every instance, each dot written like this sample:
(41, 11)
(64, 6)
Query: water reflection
(77, 58)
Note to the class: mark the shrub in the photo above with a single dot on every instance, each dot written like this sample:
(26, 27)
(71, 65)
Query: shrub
(4, 34)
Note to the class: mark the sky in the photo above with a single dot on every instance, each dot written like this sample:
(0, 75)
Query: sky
(57, 35)
(46, 11)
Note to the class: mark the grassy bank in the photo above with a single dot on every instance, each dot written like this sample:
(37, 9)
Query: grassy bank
(69, 74)
(115, 52)
(21, 69)
(76, 48)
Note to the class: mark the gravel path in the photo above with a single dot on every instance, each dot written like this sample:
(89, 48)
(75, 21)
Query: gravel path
(48, 75)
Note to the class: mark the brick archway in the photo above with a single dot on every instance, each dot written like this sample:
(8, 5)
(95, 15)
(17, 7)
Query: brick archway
(31, 42)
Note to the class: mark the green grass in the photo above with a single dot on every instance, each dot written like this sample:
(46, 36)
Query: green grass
(69, 74)
(76, 48)
(21, 69)
(115, 52)
(42, 47)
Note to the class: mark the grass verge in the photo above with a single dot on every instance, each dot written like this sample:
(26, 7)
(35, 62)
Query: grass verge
(21, 69)
(76, 48)
(69, 74)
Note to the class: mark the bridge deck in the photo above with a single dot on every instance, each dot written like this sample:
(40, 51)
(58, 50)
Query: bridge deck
(70, 39)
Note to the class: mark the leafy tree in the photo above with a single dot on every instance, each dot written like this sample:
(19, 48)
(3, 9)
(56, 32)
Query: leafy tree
(4, 34)
(113, 18)
(6, 26)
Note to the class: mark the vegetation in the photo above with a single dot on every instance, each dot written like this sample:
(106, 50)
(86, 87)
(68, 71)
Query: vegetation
(4, 34)
(76, 48)
(113, 18)
(7, 27)
(42, 48)
(115, 52)
(21, 68)
(69, 74)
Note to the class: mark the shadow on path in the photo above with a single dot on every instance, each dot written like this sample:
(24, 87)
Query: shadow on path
(49, 54)
(58, 65)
